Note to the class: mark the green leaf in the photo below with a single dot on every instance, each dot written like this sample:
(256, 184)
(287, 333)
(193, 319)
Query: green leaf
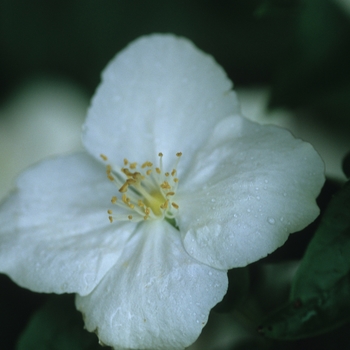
(320, 295)
(302, 319)
(327, 259)
(57, 326)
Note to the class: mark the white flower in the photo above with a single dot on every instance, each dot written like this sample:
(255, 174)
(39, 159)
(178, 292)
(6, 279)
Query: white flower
(148, 279)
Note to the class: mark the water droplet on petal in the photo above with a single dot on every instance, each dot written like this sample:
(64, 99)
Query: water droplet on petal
(271, 221)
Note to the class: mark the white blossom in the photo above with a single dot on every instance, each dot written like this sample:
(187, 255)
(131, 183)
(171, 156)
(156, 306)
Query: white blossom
(192, 189)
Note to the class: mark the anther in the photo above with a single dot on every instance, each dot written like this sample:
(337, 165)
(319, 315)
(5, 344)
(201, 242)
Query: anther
(146, 164)
(114, 199)
(178, 154)
(109, 211)
(175, 205)
(127, 172)
(170, 194)
(164, 205)
(130, 217)
(124, 198)
(110, 219)
(126, 162)
(158, 171)
(165, 185)
(124, 188)
(103, 157)
(133, 165)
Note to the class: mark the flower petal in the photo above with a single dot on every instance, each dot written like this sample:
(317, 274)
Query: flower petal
(55, 234)
(156, 297)
(248, 188)
(160, 94)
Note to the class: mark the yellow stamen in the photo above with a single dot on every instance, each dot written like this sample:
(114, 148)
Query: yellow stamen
(124, 188)
(144, 192)
(146, 164)
(165, 185)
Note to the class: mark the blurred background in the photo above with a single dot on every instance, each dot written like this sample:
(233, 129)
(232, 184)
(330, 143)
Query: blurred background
(289, 61)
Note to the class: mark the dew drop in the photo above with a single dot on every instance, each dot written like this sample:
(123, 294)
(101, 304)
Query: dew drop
(213, 200)
(271, 221)
(210, 273)
(248, 210)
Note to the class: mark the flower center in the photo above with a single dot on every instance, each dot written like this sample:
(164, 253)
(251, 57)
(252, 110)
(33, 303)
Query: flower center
(155, 202)
(146, 192)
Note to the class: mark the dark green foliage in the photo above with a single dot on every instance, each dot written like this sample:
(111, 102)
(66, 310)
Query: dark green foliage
(320, 295)
(57, 326)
